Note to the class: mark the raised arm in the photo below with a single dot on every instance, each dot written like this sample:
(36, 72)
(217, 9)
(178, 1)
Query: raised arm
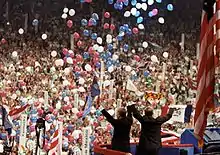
(167, 117)
(136, 114)
(109, 118)
(129, 116)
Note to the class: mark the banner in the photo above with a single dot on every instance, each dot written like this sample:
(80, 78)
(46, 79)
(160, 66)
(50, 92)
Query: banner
(85, 141)
(76, 101)
(23, 133)
(60, 130)
(179, 113)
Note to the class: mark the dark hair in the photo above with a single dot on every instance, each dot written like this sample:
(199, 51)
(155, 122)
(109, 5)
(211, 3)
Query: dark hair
(122, 112)
(149, 111)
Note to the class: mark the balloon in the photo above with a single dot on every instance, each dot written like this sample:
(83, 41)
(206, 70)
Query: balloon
(106, 26)
(144, 6)
(35, 22)
(98, 64)
(99, 40)
(161, 20)
(86, 33)
(85, 55)
(146, 73)
(100, 49)
(79, 43)
(88, 68)
(127, 14)
(110, 69)
(64, 16)
(145, 44)
(69, 60)
(138, 5)
(81, 81)
(155, 12)
(95, 16)
(115, 57)
(54, 53)
(65, 51)
(154, 58)
(76, 35)
(133, 11)
(170, 7)
(137, 58)
(65, 10)
(21, 31)
(140, 20)
(72, 12)
(159, 1)
(94, 36)
(44, 36)
(112, 27)
(14, 54)
(79, 58)
(127, 68)
(150, 2)
(135, 30)
(84, 22)
(107, 15)
(110, 46)
(110, 1)
(165, 55)
(141, 26)
(133, 2)
(69, 23)
(126, 47)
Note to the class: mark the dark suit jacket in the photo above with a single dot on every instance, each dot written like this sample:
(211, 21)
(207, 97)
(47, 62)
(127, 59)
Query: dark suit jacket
(150, 130)
(122, 127)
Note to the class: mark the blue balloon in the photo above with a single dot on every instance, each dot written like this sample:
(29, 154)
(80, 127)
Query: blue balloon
(93, 21)
(116, 6)
(95, 16)
(170, 7)
(125, 47)
(110, 47)
(35, 22)
(146, 73)
(108, 54)
(77, 74)
(129, 32)
(86, 33)
(98, 64)
(159, 1)
(110, 1)
(126, 2)
(82, 1)
(84, 22)
(33, 119)
(122, 29)
(94, 36)
(133, 2)
(33, 111)
(126, 26)
(85, 55)
(144, 0)
(120, 7)
(119, 38)
(150, 14)
(137, 14)
(139, 20)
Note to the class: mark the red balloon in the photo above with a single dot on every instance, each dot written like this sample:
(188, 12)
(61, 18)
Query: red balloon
(91, 50)
(79, 43)
(65, 51)
(69, 23)
(96, 55)
(135, 30)
(3, 41)
(107, 15)
(95, 59)
(112, 27)
(40, 111)
(137, 58)
(106, 26)
(77, 69)
(74, 61)
(79, 58)
(76, 35)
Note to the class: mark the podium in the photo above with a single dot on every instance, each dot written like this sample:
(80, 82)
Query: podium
(211, 140)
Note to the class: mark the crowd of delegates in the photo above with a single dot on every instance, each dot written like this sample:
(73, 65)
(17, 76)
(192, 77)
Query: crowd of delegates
(30, 66)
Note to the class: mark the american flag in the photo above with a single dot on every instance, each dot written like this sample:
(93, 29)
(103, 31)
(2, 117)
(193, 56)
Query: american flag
(54, 143)
(206, 67)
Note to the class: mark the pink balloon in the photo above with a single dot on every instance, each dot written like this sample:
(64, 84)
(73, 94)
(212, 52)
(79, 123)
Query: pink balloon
(74, 61)
(76, 35)
(77, 69)
(3, 41)
(96, 55)
(71, 55)
(90, 23)
(79, 58)
(55, 112)
(137, 58)
(32, 128)
(90, 50)
(69, 23)
(64, 59)
(95, 59)
(36, 104)
(88, 1)
(79, 43)
(65, 51)
(112, 27)
(106, 26)
(107, 15)
(40, 111)
(135, 30)
(47, 117)
(155, 12)
(46, 147)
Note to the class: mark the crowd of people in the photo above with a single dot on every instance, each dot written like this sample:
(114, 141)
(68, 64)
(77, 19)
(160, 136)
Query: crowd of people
(48, 73)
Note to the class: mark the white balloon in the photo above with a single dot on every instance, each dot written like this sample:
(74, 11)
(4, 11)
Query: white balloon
(81, 89)
(70, 51)
(64, 16)
(69, 60)
(133, 11)
(14, 54)
(100, 49)
(110, 69)
(111, 112)
(72, 12)
(127, 14)
(115, 57)
(88, 68)
(154, 58)
(66, 99)
(61, 62)
(145, 44)
(65, 10)
(54, 53)
(21, 31)
(165, 55)
(107, 83)
(66, 83)
(44, 36)
(141, 26)
(67, 71)
(109, 36)
(128, 68)
(138, 5)
(14, 96)
(161, 20)
(144, 6)
(58, 105)
(95, 47)
(109, 41)
(150, 2)
(99, 40)
(133, 51)
(81, 81)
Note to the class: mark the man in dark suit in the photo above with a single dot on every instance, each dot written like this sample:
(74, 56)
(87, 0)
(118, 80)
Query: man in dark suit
(122, 127)
(150, 139)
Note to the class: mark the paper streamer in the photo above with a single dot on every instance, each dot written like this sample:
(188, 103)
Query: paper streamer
(85, 141)
(23, 133)
(76, 101)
